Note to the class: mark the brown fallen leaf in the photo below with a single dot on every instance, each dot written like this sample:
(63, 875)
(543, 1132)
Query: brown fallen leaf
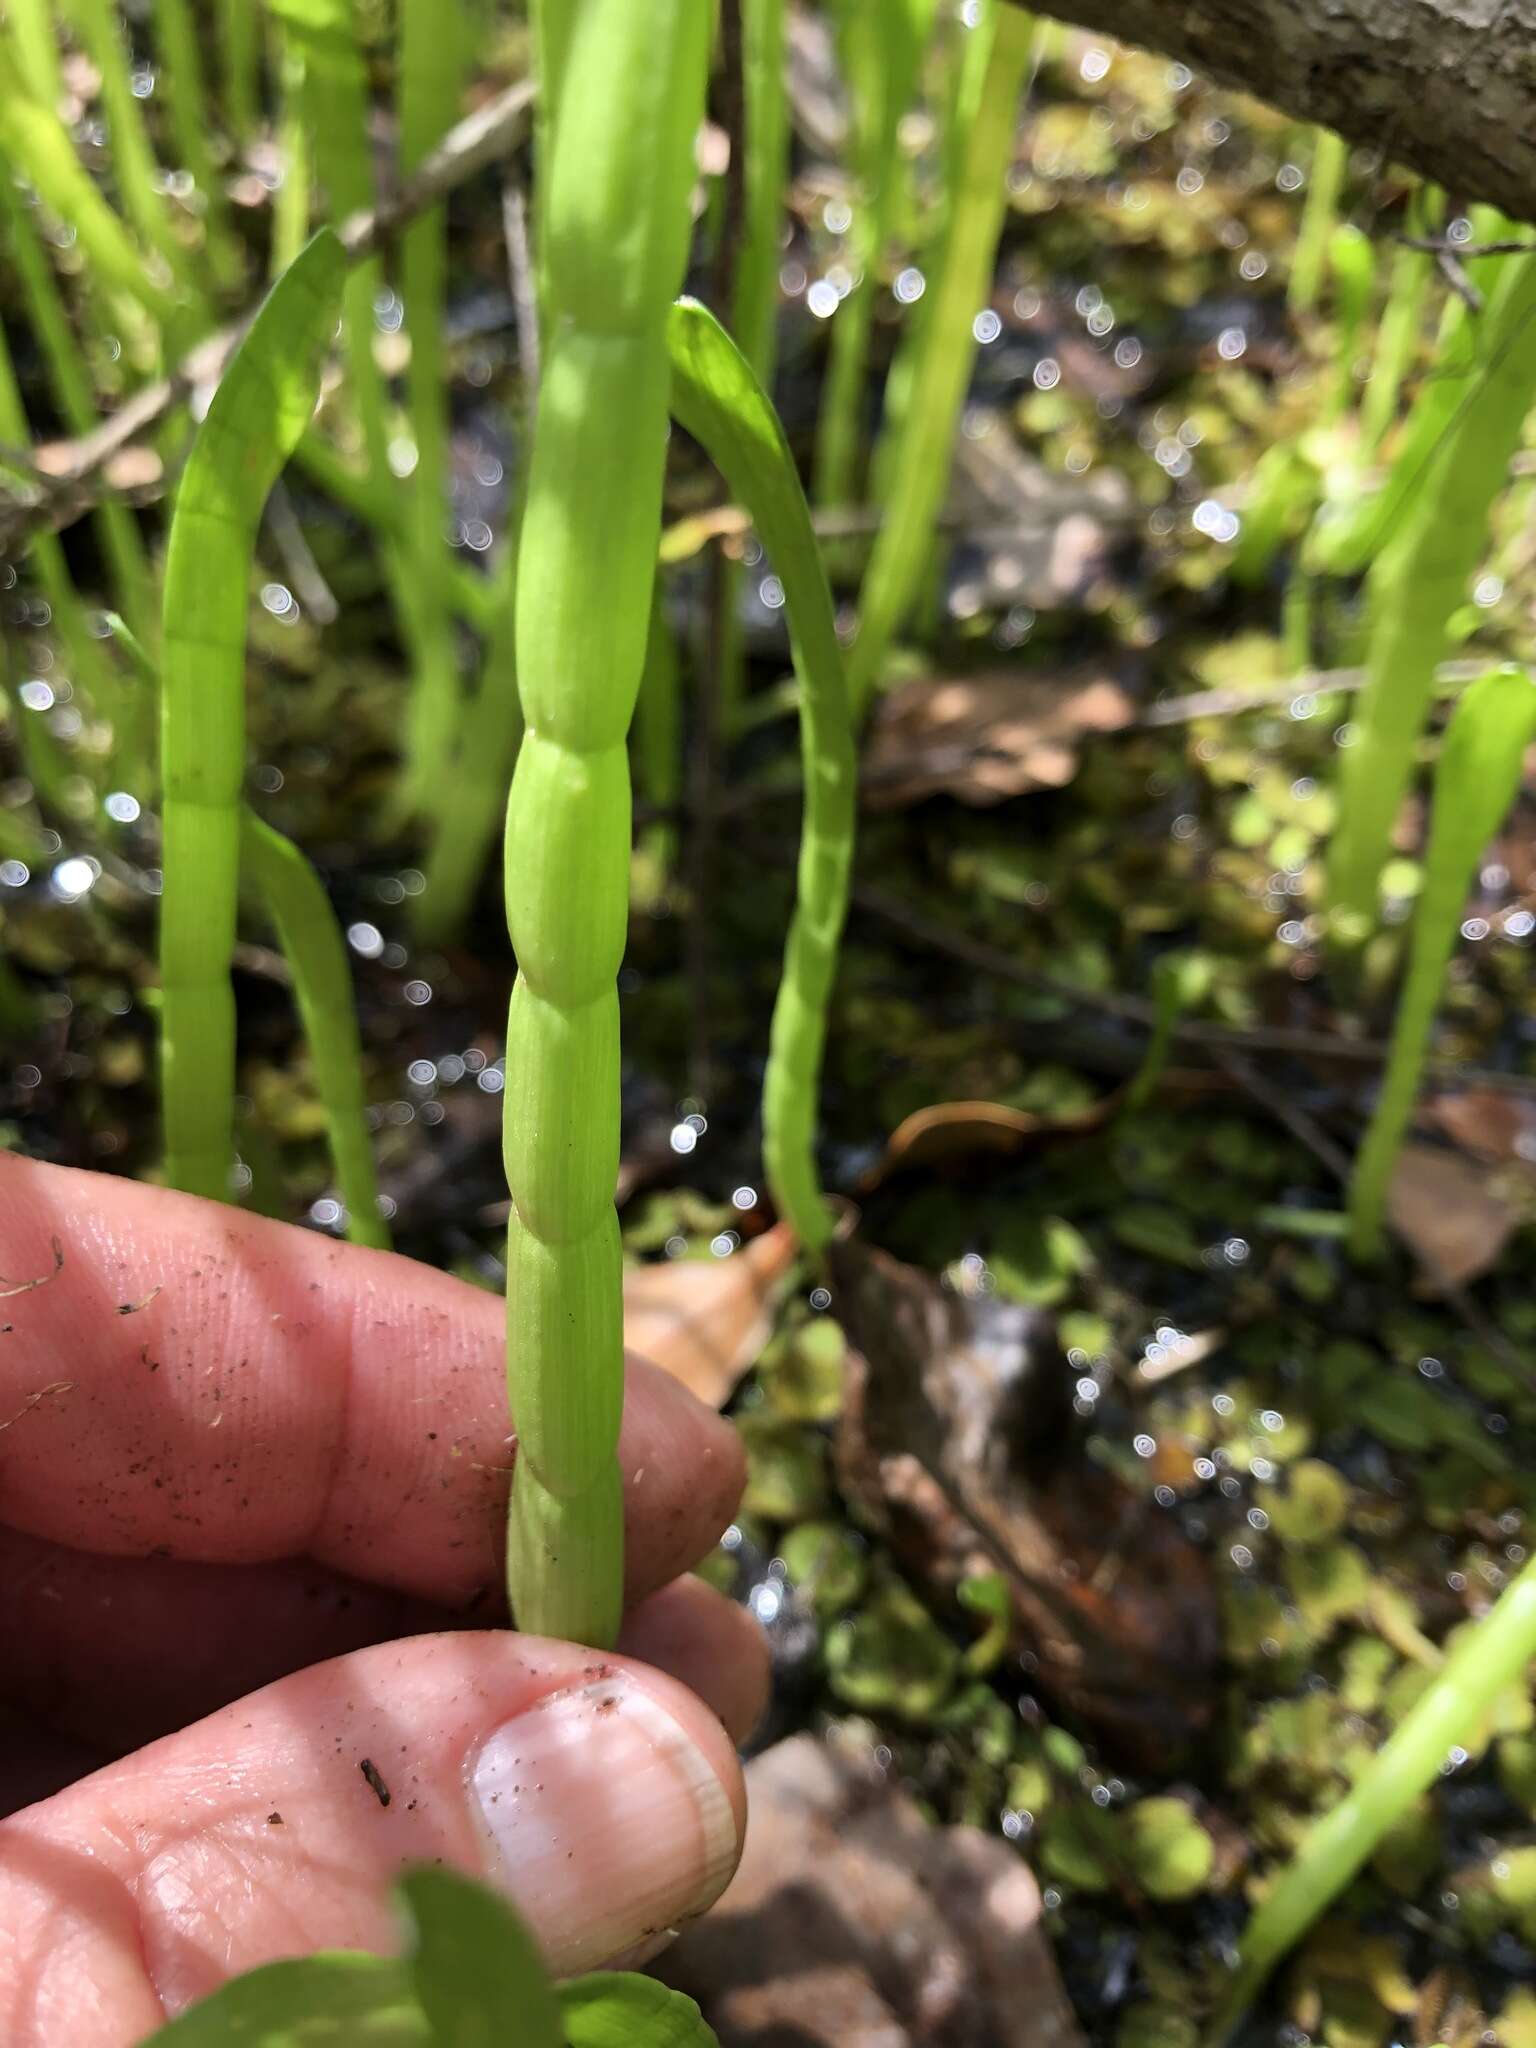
(986, 738)
(854, 1923)
(1453, 1213)
(960, 1442)
(946, 1133)
(1494, 1124)
(704, 1321)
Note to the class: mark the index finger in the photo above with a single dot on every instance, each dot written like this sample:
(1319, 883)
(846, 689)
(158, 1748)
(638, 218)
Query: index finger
(196, 1382)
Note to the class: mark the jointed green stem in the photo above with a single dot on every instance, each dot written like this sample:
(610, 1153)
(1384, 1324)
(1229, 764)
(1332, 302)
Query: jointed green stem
(626, 88)
(311, 942)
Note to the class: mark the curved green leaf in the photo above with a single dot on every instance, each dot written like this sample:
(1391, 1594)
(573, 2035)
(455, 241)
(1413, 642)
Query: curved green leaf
(260, 409)
(721, 403)
(340, 2000)
(476, 1968)
(614, 2009)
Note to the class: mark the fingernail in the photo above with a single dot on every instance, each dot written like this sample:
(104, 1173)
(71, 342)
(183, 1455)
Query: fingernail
(607, 1824)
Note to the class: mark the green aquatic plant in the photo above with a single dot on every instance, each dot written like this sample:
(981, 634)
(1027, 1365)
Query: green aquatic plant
(722, 405)
(136, 172)
(624, 89)
(34, 142)
(997, 56)
(659, 741)
(880, 51)
(311, 942)
(262, 406)
(433, 47)
(1319, 218)
(755, 304)
(1475, 783)
(1416, 585)
(471, 1975)
(1488, 1657)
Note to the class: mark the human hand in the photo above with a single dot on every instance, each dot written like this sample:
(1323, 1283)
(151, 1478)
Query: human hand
(229, 1449)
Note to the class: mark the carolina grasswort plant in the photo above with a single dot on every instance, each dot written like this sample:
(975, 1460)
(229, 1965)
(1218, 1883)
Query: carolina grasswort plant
(1478, 775)
(717, 398)
(261, 407)
(1418, 581)
(995, 64)
(624, 90)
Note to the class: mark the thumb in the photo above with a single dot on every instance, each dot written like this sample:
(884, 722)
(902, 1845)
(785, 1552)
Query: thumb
(602, 1797)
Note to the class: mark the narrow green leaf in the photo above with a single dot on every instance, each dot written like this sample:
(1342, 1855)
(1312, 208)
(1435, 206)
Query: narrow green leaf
(340, 2000)
(260, 409)
(614, 2009)
(311, 942)
(1416, 585)
(476, 1968)
(721, 403)
(1475, 784)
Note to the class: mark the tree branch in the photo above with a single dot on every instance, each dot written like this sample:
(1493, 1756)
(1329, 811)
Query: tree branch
(1447, 87)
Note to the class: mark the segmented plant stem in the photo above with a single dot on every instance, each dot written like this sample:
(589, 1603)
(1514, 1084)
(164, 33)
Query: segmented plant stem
(262, 405)
(1475, 784)
(999, 55)
(1417, 583)
(311, 942)
(626, 89)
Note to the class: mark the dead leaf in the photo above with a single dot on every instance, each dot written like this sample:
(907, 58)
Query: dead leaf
(949, 1132)
(960, 1442)
(1451, 1212)
(705, 1321)
(854, 1923)
(986, 738)
(1494, 1124)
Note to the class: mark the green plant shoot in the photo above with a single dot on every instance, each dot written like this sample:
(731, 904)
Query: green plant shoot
(1489, 1656)
(311, 942)
(1416, 585)
(1319, 217)
(625, 89)
(997, 57)
(722, 405)
(1475, 784)
(261, 407)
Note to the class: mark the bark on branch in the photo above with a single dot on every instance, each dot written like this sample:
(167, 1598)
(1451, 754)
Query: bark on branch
(1447, 87)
